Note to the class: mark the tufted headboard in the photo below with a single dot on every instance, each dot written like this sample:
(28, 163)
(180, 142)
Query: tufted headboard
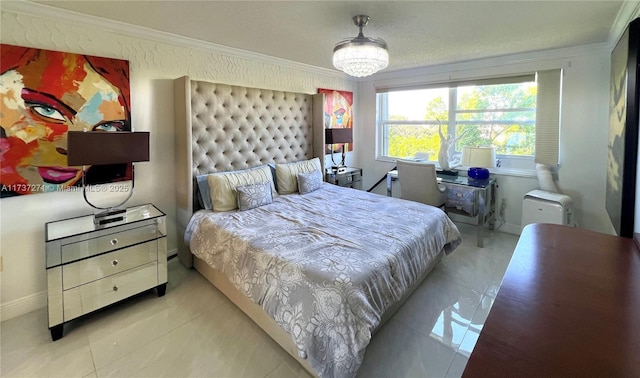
(221, 128)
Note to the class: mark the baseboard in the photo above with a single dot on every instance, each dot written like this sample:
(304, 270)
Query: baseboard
(23, 305)
(510, 228)
(36, 301)
(507, 228)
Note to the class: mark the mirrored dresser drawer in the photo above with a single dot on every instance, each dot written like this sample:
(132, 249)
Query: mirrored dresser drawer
(349, 177)
(91, 266)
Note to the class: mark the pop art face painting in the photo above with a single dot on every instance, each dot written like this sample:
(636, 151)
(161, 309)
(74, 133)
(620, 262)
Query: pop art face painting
(338, 113)
(43, 95)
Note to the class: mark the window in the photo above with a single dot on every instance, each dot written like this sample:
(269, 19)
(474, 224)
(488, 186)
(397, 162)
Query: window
(500, 112)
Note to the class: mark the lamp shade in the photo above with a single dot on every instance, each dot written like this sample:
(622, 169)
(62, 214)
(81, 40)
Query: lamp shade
(484, 157)
(338, 135)
(102, 148)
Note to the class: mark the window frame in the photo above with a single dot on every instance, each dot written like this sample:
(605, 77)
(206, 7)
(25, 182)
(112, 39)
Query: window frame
(517, 161)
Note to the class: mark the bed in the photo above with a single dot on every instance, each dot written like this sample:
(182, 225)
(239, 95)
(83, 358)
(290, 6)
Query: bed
(319, 267)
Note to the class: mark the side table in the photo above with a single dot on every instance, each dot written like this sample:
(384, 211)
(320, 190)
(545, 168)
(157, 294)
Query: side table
(90, 267)
(351, 177)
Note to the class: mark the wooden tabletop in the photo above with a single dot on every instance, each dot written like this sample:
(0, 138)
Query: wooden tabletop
(569, 305)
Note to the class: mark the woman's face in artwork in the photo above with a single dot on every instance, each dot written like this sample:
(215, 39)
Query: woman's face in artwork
(40, 101)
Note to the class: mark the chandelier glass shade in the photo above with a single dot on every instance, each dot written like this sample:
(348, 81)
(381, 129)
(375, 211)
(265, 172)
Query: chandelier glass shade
(361, 56)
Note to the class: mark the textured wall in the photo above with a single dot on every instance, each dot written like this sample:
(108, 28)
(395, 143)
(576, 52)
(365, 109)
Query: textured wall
(155, 60)
(172, 57)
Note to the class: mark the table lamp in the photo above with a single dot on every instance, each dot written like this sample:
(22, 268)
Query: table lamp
(336, 136)
(478, 159)
(106, 148)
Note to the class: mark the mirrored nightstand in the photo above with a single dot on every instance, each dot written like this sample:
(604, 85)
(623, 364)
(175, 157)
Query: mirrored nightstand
(90, 267)
(350, 178)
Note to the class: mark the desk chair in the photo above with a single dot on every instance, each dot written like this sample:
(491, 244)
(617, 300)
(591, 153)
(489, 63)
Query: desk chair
(419, 183)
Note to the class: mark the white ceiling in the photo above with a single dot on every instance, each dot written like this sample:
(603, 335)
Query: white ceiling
(419, 33)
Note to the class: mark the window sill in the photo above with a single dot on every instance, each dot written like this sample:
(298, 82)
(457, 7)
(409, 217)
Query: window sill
(527, 173)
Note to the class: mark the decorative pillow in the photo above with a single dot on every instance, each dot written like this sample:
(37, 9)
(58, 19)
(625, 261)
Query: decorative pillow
(286, 174)
(204, 194)
(308, 182)
(272, 166)
(223, 185)
(254, 195)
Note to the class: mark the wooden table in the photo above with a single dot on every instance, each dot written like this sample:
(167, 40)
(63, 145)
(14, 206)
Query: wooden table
(569, 305)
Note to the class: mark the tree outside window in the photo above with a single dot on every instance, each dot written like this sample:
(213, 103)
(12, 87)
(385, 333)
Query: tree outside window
(501, 115)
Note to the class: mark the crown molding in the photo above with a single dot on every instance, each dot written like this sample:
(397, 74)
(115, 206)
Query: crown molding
(545, 59)
(29, 8)
(629, 11)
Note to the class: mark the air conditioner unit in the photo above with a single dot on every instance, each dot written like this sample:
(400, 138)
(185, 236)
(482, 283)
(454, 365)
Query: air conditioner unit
(540, 206)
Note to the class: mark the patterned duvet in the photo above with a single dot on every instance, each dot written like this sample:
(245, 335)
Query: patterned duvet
(325, 265)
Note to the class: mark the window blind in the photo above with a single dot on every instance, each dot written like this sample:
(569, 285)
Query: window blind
(460, 83)
(548, 117)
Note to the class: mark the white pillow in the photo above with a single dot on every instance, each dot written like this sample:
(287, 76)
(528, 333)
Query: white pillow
(222, 185)
(287, 174)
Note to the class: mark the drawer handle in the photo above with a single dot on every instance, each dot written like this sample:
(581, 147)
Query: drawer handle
(114, 263)
(114, 241)
(115, 288)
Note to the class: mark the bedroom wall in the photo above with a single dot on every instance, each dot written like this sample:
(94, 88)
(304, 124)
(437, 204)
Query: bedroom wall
(584, 127)
(155, 60)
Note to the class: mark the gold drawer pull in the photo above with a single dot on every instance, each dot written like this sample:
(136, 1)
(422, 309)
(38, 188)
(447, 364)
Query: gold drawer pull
(114, 262)
(115, 288)
(114, 241)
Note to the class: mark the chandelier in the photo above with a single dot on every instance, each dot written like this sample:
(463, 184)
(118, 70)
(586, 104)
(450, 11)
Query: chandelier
(361, 56)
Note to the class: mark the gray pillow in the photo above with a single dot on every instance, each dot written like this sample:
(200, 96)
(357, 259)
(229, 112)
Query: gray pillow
(310, 181)
(272, 166)
(254, 195)
(204, 194)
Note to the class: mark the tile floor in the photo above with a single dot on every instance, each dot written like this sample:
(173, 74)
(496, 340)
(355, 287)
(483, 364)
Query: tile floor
(195, 331)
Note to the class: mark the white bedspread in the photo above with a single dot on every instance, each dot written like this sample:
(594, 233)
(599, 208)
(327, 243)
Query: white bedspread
(325, 265)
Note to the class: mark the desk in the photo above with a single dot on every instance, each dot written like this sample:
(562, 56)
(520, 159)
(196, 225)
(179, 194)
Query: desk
(483, 196)
(568, 306)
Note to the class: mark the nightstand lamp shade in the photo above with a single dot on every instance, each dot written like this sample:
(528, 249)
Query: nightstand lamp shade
(478, 159)
(336, 136)
(104, 148)
(100, 148)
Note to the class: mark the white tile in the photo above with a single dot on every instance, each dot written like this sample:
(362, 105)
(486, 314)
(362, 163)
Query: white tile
(28, 351)
(475, 328)
(482, 311)
(222, 345)
(284, 371)
(441, 309)
(399, 351)
(469, 341)
(465, 266)
(132, 325)
(457, 366)
(195, 331)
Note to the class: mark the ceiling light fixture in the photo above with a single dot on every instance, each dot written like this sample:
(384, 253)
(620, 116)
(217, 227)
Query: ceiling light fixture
(361, 56)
